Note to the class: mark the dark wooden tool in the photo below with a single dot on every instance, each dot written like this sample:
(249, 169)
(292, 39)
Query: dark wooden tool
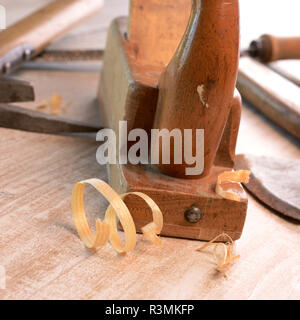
(12, 90)
(14, 117)
(204, 96)
(271, 48)
(274, 181)
(199, 43)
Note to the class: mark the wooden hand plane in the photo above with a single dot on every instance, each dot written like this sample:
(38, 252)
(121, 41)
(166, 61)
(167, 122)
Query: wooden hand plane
(173, 65)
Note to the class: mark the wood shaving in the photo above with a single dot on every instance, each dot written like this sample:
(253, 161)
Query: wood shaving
(54, 105)
(231, 176)
(107, 230)
(228, 258)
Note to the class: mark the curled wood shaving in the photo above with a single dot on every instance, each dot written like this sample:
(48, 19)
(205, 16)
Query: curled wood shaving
(228, 258)
(232, 176)
(107, 230)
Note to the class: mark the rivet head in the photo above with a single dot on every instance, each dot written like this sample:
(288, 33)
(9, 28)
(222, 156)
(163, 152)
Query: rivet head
(193, 214)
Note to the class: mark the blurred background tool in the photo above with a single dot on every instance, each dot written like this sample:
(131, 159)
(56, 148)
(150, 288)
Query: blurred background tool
(268, 85)
(282, 54)
(15, 117)
(274, 181)
(271, 88)
(275, 96)
(269, 48)
(28, 37)
(23, 41)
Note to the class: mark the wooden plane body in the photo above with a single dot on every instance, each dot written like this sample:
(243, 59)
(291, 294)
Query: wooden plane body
(137, 53)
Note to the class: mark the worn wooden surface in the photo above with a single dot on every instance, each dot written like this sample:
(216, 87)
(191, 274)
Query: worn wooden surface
(44, 258)
(19, 118)
(176, 196)
(156, 45)
(37, 31)
(127, 94)
(15, 90)
(202, 99)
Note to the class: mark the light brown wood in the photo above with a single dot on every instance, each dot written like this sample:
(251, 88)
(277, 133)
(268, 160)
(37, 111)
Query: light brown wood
(47, 24)
(39, 247)
(129, 90)
(273, 95)
(45, 259)
(74, 87)
(271, 48)
(226, 152)
(196, 88)
(176, 196)
(156, 27)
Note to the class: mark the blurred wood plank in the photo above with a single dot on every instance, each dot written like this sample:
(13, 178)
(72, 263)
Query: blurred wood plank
(89, 35)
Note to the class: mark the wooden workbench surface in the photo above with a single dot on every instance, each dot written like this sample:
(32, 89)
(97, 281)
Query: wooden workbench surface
(44, 257)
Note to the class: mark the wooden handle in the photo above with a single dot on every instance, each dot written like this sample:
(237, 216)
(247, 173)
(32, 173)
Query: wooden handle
(270, 48)
(196, 89)
(47, 24)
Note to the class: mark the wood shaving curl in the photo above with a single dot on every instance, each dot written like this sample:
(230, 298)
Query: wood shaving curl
(231, 176)
(228, 258)
(54, 105)
(107, 230)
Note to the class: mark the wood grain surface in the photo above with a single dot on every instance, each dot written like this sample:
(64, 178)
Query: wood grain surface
(40, 249)
(44, 258)
(157, 45)
(47, 24)
(202, 99)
